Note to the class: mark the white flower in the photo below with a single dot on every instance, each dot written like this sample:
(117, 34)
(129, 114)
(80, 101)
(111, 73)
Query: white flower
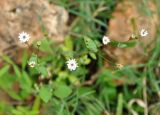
(133, 36)
(119, 66)
(72, 64)
(143, 33)
(23, 37)
(105, 40)
(32, 64)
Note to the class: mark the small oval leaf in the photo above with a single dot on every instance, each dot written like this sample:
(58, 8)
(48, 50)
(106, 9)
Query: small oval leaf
(62, 91)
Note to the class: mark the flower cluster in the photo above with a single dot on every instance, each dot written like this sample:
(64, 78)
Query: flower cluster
(72, 63)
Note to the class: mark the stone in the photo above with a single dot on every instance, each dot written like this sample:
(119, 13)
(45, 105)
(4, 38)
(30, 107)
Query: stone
(127, 20)
(29, 16)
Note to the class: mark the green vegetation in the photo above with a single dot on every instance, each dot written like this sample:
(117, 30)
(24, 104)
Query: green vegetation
(51, 89)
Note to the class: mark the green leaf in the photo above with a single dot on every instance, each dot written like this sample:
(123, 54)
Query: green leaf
(85, 91)
(43, 70)
(62, 91)
(24, 60)
(108, 93)
(4, 70)
(46, 45)
(121, 45)
(120, 104)
(36, 104)
(14, 95)
(90, 44)
(17, 71)
(25, 82)
(45, 93)
(7, 59)
(85, 60)
(93, 55)
(106, 76)
(68, 43)
(124, 44)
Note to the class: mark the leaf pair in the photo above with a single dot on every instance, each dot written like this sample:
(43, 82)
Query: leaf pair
(61, 91)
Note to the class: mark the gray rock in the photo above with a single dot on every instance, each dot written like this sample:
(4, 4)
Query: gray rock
(29, 16)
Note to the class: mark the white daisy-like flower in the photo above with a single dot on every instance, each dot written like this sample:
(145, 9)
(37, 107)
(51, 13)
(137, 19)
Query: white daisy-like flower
(23, 37)
(143, 33)
(32, 64)
(72, 64)
(105, 40)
